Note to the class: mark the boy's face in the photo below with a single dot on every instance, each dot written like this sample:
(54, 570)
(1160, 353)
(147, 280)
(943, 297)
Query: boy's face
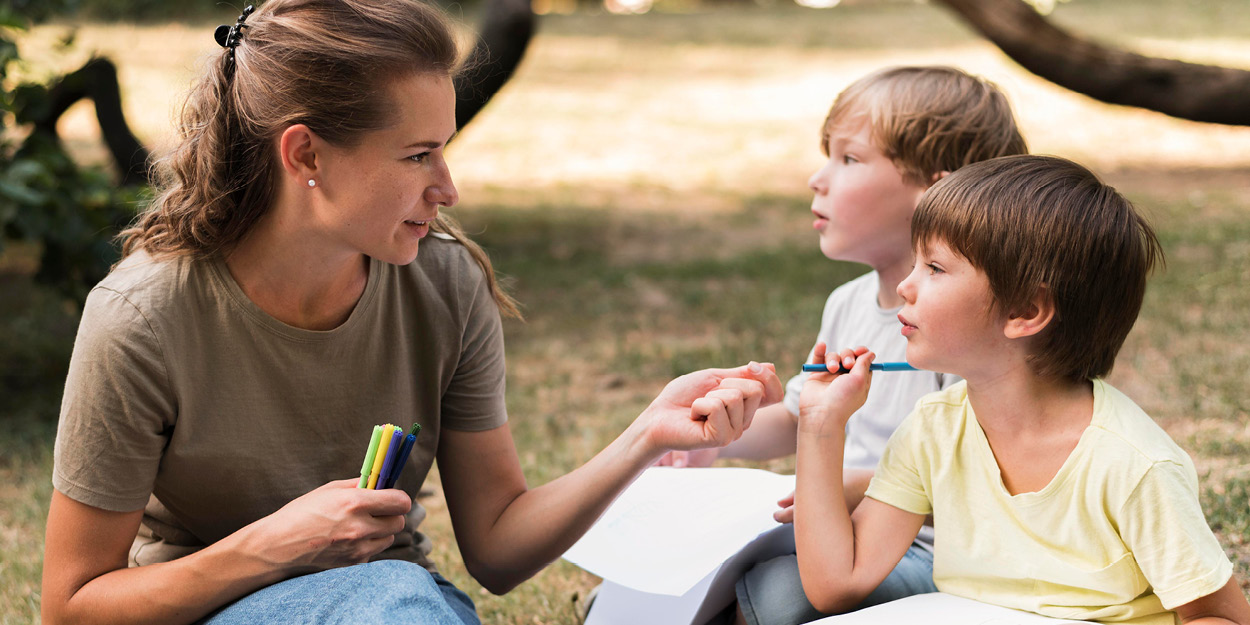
(863, 205)
(947, 314)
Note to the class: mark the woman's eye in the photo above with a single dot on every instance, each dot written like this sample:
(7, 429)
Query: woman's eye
(418, 158)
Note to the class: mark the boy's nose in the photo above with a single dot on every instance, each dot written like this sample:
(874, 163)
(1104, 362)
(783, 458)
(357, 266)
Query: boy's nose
(819, 181)
(906, 289)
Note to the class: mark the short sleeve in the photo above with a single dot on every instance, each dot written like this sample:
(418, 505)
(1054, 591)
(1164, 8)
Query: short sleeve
(900, 477)
(1162, 524)
(474, 400)
(118, 408)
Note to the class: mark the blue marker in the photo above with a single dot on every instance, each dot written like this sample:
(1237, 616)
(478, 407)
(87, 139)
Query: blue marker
(876, 366)
(403, 455)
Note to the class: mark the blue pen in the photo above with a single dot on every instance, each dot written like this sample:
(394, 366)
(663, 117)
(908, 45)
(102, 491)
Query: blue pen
(876, 366)
(391, 453)
(403, 455)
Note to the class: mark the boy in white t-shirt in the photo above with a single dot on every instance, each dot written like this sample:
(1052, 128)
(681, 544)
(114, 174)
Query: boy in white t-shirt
(888, 137)
(1050, 491)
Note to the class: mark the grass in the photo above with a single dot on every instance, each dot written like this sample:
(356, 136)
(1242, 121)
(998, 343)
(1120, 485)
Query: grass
(642, 182)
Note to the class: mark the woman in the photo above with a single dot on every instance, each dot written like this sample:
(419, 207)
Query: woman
(271, 307)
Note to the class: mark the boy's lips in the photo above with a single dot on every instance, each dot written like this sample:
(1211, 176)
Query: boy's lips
(908, 328)
(821, 221)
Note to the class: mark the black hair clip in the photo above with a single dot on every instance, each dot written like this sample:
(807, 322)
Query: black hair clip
(228, 36)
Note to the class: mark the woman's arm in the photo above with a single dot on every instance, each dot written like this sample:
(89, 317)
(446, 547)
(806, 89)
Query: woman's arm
(842, 557)
(507, 532)
(86, 579)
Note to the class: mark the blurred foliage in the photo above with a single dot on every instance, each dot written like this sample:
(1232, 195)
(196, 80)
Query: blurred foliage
(69, 212)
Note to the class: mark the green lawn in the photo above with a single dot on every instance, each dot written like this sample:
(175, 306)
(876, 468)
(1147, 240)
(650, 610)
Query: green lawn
(642, 181)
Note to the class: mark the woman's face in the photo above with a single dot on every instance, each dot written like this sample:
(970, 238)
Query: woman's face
(379, 197)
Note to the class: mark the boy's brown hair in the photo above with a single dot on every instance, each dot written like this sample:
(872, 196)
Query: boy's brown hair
(1041, 222)
(928, 119)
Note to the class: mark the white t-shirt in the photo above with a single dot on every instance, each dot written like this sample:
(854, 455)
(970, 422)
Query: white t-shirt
(852, 318)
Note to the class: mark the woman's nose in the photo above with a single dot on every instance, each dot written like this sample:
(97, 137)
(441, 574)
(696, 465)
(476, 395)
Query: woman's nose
(444, 191)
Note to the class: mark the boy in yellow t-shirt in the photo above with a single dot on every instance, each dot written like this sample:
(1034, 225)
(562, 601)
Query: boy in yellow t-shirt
(1050, 491)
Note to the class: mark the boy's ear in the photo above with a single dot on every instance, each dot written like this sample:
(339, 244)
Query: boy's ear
(938, 176)
(1033, 317)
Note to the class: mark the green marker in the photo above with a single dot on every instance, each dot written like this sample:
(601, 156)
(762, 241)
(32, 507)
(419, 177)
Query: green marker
(367, 467)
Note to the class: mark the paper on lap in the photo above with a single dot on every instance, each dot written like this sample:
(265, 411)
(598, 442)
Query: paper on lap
(672, 527)
(672, 546)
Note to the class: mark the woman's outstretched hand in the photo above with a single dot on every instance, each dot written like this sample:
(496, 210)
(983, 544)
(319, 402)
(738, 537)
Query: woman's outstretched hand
(708, 408)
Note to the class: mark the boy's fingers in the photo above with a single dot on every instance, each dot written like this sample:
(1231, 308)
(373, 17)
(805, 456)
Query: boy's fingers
(862, 364)
(818, 354)
(784, 515)
(753, 392)
(734, 407)
(716, 426)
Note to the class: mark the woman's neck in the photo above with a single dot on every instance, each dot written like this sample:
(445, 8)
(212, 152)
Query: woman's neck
(295, 276)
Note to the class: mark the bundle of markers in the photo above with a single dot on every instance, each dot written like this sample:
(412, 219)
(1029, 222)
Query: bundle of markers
(387, 455)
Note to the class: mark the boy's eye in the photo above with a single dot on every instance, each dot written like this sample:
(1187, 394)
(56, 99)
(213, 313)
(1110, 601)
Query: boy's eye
(848, 159)
(933, 268)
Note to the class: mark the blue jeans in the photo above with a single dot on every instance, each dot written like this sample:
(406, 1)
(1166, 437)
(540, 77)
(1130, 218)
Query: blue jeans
(771, 593)
(385, 592)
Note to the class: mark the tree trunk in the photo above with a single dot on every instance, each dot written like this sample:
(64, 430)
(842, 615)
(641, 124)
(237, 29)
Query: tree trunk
(505, 32)
(1204, 93)
(97, 81)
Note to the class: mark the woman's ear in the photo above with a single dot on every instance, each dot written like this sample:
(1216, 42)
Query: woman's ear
(297, 148)
(938, 176)
(1033, 317)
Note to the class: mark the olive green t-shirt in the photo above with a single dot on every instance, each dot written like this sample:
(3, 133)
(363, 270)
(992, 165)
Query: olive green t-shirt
(187, 400)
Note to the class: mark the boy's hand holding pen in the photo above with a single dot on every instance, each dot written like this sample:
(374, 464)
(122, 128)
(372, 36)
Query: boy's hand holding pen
(387, 454)
(829, 398)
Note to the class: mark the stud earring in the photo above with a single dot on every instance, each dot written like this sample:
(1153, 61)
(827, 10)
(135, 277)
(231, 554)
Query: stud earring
(312, 183)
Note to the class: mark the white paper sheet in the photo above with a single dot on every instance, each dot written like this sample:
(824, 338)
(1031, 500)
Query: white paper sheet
(618, 605)
(674, 543)
(672, 527)
(940, 609)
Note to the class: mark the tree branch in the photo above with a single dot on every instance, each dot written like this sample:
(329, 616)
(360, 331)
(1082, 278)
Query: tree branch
(505, 32)
(1204, 93)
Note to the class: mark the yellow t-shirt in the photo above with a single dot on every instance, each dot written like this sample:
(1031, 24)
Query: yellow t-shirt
(1117, 536)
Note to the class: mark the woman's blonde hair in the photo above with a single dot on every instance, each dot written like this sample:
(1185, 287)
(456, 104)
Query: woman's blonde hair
(322, 63)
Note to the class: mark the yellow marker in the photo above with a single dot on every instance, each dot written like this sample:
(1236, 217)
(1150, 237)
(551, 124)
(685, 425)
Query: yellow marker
(383, 445)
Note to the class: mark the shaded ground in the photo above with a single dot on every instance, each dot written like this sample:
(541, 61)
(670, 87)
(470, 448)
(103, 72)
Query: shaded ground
(643, 182)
